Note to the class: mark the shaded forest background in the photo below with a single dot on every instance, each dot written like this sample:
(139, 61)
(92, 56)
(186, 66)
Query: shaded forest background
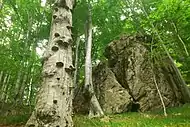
(25, 27)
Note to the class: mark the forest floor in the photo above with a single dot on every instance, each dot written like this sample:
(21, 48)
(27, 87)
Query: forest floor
(177, 117)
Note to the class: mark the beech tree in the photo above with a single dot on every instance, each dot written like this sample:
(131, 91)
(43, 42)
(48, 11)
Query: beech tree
(25, 24)
(95, 109)
(54, 100)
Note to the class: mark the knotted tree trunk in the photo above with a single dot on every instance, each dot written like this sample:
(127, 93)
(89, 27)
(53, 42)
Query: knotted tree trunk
(54, 101)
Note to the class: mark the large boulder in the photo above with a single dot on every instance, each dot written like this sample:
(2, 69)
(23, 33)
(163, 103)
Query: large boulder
(112, 97)
(127, 82)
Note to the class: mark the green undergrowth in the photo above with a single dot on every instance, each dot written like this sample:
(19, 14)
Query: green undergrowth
(177, 117)
(14, 119)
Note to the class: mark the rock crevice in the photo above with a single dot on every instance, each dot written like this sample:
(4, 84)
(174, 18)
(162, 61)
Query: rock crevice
(125, 82)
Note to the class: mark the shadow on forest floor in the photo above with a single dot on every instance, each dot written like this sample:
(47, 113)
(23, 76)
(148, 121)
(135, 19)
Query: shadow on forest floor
(177, 117)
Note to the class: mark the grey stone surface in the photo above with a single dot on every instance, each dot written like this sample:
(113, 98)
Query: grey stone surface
(126, 81)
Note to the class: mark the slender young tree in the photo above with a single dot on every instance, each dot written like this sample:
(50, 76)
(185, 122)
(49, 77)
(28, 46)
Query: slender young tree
(54, 101)
(76, 62)
(95, 109)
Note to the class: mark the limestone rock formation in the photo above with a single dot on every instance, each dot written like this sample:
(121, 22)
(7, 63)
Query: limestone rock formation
(112, 96)
(126, 82)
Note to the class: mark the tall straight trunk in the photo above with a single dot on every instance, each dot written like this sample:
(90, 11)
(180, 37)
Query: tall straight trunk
(8, 97)
(21, 90)
(29, 92)
(17, 85)
(95, 109)
(54, 100)
(4, 86)
(25, 83)
(5, 89)
(30, 78)
(1, 77)
(31, 96)
(76, 62)
(2, 90)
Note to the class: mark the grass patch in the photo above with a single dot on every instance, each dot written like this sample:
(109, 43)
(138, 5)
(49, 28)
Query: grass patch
(177, 117)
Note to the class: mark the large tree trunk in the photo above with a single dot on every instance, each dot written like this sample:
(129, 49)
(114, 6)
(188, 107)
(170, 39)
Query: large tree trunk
(95, 109)
(54, 101)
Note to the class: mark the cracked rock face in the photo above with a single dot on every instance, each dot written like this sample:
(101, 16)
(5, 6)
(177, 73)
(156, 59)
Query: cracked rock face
(113, 98)
(125, 82)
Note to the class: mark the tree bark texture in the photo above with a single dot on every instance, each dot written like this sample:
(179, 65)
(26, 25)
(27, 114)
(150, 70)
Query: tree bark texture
(54, 100)
(95, 108)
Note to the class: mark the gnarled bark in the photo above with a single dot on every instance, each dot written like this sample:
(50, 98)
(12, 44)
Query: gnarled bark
(54, 101)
